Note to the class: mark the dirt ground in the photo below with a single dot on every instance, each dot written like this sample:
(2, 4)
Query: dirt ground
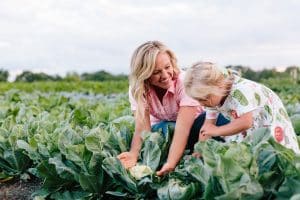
(18, 189)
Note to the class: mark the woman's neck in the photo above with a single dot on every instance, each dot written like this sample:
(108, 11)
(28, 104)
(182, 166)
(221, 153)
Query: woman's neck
(160, 92)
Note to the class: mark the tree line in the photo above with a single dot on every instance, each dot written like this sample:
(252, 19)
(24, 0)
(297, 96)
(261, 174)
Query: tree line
(292, 72)
(28, 76)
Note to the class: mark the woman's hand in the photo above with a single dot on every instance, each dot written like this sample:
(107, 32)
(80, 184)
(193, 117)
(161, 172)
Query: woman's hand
(166, 168)
(128, 159)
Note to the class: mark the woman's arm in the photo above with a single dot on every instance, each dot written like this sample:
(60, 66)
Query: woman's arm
(129, 159)
(185, 119)
(140, 126)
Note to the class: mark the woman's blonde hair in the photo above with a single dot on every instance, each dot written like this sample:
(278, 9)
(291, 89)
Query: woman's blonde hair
(141, 68)
(205, 78)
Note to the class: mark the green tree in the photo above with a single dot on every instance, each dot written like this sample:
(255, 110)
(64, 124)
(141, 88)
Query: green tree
(3, 75)
(102, 76)
(72, 77)
(28, 76)
(293, 72)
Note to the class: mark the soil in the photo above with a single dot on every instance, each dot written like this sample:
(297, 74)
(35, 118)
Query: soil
(17, 189)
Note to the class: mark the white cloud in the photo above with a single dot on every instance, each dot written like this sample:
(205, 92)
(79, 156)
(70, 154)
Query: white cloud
(73, 35)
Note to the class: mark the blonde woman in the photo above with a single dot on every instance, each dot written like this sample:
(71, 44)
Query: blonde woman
(158, 99)
(248, 104)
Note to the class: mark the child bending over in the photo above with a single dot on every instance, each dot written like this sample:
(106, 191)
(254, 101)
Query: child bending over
(248, 105)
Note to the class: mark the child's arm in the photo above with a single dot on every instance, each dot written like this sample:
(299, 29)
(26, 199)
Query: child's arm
(206, 123)
(238, 125)
(185, 119)
(129, 159)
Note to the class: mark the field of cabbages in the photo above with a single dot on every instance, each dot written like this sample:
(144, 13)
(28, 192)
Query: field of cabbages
(67, 142)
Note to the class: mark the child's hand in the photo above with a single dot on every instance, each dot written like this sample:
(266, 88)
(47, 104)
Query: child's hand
(203, 137)
(128, 159)
(209, 130)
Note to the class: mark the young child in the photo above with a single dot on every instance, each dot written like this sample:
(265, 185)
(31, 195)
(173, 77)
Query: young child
(248, 104)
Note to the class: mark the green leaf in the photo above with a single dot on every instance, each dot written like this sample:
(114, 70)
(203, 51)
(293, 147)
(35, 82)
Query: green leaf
(210, 151)
(90, 183)
(62, 169)
(251, 190)
(151, 155)
(176, 189)
(196, 169)
(258, 137)
(114, 168)
(289, 188)
(30, 149)
(52, 180)
(240, 153)
(212, 189)
(71, 195)
(95, 139)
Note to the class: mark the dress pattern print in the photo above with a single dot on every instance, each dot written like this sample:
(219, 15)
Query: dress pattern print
(266, 107)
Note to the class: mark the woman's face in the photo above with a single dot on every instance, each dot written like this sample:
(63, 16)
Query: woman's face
(163, 73)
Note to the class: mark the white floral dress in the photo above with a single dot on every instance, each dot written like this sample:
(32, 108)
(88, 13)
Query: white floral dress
(267, 108)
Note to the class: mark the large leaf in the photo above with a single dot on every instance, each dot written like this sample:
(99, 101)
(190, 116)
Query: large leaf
(212, 189)
(229, 173)
(196, 169)
(15, 161)
(62, 169)
(289, 188)
(240, 153)
(176, 189)
(74, 195)
(248, 190)
(211, 150)
(115, 169)
(258, 138)
(95, 140)
(51, 178)
(151, 155)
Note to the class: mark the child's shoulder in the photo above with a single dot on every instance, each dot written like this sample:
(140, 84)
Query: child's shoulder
(243, 89)
(242, 83)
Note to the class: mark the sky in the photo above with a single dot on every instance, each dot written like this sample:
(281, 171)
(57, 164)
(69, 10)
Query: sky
(61, 36)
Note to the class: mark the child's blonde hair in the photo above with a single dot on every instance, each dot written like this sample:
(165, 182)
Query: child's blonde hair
(141, 68)
(205, 78)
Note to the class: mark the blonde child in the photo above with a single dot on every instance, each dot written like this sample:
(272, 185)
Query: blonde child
(248, 105)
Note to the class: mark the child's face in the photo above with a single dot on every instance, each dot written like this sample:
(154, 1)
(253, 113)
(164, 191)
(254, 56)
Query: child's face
(163, 73)
(211, 100)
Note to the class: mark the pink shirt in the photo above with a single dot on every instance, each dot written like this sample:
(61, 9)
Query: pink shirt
(174, 98)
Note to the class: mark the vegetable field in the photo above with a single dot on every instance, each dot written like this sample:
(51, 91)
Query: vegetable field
(69, 140)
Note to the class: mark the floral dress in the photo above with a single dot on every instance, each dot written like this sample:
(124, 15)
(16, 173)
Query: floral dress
(266, 107)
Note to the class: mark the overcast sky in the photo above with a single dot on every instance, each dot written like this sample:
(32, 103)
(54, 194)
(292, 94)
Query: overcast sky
(59, 36)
